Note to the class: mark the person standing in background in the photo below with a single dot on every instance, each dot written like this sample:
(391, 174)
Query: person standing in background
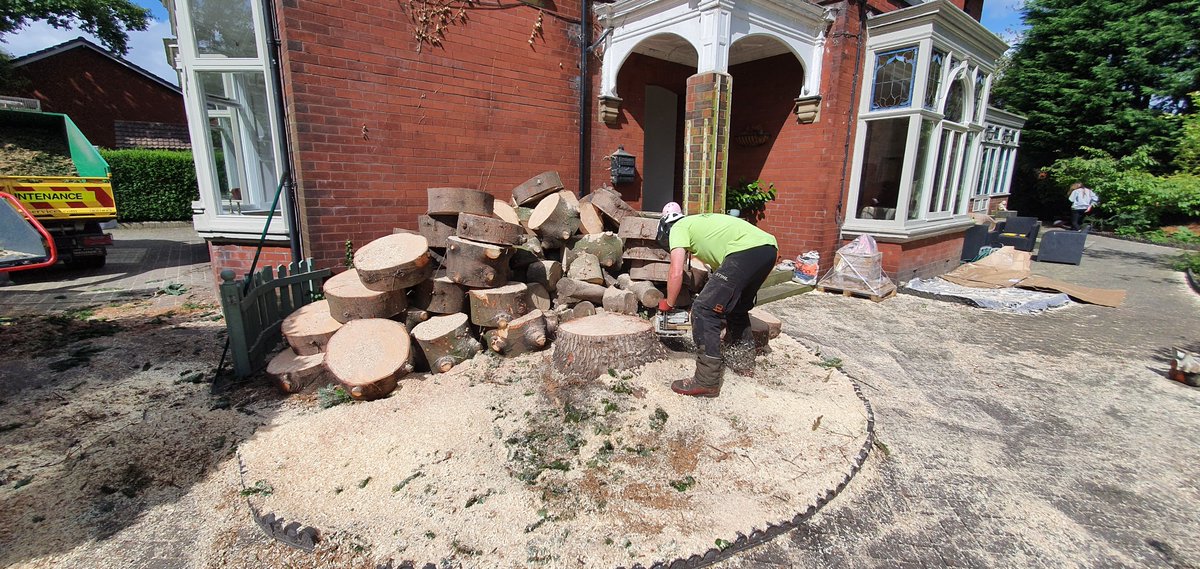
(1082, 200)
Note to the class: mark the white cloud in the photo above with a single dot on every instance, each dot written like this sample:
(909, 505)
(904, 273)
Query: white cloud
(145, 48)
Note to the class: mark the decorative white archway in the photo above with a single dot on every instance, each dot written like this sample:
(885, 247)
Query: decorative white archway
(711, 27)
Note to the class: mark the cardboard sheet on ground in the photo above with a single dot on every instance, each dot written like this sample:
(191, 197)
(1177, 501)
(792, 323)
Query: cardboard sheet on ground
(1008, 267)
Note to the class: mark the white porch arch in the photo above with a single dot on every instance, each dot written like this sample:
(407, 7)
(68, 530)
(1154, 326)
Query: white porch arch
(711, 27)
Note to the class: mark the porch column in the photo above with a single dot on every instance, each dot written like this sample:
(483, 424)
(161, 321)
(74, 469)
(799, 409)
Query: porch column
(706, 142)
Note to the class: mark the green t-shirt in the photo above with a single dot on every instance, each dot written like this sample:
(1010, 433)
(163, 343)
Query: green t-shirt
(713, 236)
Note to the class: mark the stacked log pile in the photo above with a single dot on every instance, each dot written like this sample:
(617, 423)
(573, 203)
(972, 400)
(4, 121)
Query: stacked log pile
(484, 274)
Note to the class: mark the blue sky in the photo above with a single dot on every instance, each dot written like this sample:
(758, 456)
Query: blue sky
(1002, 17)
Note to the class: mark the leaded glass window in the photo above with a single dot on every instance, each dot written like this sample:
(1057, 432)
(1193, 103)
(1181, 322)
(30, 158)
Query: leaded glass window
(934, 80)
(894, 72)
(980, 83)
(955, 103)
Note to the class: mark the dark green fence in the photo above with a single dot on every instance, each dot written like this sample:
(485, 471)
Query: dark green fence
(253, 315)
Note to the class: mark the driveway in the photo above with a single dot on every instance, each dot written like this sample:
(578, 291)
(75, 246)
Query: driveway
(1045, 440)
(143, 261)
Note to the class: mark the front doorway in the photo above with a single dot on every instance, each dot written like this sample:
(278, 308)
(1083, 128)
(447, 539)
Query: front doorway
(658, 179)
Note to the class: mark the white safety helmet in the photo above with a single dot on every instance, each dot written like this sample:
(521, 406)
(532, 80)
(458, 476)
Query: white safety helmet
(670, 214)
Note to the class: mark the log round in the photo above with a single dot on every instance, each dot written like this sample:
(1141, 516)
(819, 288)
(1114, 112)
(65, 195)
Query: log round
(294, 373)
(545, 273)
(369, 356)
(620, 301)
(437, 228)
(489, 230)
(539, 298)
(554, 219)
(506, 212)
(393, 262)
(612, 205)
(453, 201)
(589, 219)
(571, 291)
(309, 329)
(473, 264)
(446, 341)
(525, 334)
(537, 187)
(588, 347)
(496, 307)
(439, 295)
(350, 300)
(606, 246)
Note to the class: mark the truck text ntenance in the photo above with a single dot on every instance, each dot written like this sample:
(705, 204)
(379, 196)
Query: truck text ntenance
(50, 196)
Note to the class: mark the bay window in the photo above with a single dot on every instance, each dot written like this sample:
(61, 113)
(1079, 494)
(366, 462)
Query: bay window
(918, 147)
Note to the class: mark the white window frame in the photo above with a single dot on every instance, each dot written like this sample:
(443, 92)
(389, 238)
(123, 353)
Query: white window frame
(208, 216)
(970, 50)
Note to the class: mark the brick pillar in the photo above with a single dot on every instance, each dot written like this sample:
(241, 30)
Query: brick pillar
(706, 142)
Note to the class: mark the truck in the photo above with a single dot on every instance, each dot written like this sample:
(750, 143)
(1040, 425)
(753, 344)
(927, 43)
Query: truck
(56, 174)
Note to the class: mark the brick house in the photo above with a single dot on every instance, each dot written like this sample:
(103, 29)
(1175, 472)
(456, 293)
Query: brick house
(868, 116)
(114, 102)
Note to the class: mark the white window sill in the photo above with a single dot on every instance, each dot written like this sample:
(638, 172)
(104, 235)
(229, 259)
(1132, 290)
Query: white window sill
(889, 231)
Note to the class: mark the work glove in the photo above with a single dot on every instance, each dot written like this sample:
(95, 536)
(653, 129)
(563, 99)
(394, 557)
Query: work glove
(663, 306)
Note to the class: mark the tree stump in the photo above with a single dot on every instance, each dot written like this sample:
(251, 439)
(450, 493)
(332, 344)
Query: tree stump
(350, 300)
(612, 205)
(369, 356)
(496, 307)
(606, 246)
(439, 295)
(454, 201)
(586, 267)
(589, 218)
(545, 273)
(476, 264)
(489, 230)
(588, 347)
(436, 228)
(637, 227)
(308, 330)
(393, 262)
(570, 291)
(539, 297)
(524, 334)
(536, 188)
(620, 301)
(446, 341)
(294, 373)
(554, 219)
(647, 294)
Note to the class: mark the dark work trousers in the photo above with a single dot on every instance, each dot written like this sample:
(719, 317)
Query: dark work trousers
(728, 297)
(1076, 217)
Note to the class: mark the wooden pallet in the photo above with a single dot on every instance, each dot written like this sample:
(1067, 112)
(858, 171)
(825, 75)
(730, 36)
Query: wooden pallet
(890, 292)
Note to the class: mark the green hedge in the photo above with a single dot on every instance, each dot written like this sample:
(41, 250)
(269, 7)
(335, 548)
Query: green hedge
(153, 185)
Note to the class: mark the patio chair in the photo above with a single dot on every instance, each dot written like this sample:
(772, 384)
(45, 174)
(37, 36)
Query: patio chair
(1063, 246)
(1020, 232)
(976, 237)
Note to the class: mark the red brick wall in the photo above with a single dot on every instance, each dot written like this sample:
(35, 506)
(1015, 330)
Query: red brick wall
(923, 258)
(376, 123)
(237, 256)
(638, 72)
(95, 91)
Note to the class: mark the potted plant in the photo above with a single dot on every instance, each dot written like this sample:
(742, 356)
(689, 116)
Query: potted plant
(748, 199)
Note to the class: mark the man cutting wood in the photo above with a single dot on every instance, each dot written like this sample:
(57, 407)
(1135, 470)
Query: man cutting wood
(741, 256)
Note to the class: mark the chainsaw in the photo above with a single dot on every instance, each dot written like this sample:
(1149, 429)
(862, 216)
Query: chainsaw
(671, 323)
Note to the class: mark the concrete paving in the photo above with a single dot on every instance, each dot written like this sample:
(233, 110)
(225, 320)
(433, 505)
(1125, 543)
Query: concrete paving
(1006, 440)
(1044, 440)
(143, 261)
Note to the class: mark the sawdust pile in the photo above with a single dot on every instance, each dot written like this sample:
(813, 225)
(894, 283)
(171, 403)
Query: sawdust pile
(500, 464)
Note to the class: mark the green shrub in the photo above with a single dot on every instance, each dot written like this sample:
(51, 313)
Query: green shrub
(1186, 261)
(153, 185)
(1132, 200)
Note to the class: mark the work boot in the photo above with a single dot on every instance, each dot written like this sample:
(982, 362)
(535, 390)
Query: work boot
(706, 382)
(740, 358)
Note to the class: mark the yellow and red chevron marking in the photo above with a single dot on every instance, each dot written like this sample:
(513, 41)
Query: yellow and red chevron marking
(82, 198)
